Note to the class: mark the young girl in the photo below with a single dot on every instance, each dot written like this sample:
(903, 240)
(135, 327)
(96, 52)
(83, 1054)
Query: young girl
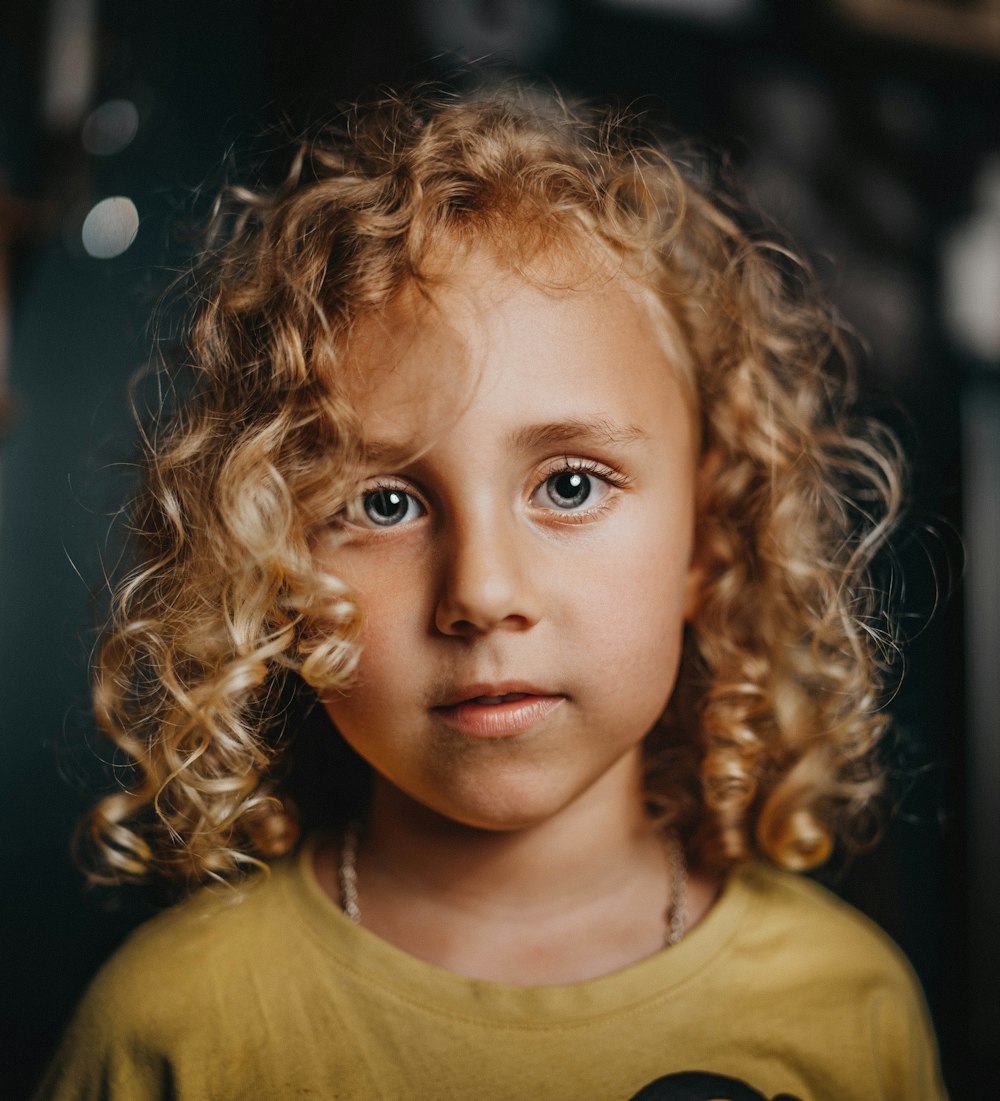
(505, 455)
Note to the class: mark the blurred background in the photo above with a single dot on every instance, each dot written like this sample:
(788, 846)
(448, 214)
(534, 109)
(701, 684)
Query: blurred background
(870, 129)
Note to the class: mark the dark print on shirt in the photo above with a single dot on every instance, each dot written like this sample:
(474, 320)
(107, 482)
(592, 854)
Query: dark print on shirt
(697, 1085)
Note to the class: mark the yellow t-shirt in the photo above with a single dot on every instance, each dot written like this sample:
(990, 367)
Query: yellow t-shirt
(781, 991)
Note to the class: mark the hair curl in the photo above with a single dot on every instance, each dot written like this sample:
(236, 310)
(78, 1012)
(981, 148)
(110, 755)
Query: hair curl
(769, 743)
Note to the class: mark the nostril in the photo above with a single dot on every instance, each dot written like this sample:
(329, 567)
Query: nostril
(485, 583)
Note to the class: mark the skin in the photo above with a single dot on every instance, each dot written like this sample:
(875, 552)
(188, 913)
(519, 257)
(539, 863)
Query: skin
(533, 460)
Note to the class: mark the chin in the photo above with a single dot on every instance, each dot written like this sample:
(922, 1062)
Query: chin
(503, 811)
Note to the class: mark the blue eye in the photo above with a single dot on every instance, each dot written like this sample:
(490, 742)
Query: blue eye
(387, 507)
(577, 490)
(568, 488)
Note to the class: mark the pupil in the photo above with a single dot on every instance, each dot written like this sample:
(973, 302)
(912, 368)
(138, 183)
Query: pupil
(385, 506)
(569, 489)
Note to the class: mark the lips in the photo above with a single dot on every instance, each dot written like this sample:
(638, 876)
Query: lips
(492, 692)
(497, 710)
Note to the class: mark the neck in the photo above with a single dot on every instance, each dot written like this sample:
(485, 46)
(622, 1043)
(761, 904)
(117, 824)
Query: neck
(581, 894)
(584, 850)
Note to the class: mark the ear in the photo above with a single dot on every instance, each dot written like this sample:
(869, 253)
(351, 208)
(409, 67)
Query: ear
(697, 576)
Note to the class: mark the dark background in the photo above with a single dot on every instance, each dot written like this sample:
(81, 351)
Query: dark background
(868, 128)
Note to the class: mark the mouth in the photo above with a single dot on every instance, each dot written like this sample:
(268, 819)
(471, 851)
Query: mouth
(492, 701)
(497, 711)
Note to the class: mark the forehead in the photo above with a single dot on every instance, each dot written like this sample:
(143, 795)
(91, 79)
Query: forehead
(479, 337)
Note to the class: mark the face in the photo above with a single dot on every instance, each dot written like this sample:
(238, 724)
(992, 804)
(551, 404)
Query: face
(520, 545)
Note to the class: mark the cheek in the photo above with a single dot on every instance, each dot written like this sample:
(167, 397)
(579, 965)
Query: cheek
(397, 670)
(641, 642)
(391, 596)
(641, 621)
(381, 683)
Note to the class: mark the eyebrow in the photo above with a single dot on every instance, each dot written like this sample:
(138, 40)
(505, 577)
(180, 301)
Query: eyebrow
(598, 431)
(380, 453)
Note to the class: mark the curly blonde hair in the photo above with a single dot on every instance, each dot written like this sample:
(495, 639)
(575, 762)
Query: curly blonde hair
(769, 745)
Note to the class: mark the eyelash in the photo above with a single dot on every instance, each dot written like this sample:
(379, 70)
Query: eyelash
(586, 466)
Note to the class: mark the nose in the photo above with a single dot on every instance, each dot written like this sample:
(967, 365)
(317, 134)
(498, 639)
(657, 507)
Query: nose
(486, 581)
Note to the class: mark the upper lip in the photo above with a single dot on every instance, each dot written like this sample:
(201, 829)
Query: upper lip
(467, 692)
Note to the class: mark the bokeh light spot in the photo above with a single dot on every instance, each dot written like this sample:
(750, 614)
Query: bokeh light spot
(110, 227)
(110, 127)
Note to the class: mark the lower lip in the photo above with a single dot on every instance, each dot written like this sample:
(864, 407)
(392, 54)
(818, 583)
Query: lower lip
(498, 720)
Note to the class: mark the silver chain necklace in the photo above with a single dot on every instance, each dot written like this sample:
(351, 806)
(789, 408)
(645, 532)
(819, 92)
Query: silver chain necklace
(676, 916)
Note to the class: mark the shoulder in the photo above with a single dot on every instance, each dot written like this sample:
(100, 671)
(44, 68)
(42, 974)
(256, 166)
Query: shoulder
(840, 971)
(152, 1010)
(814, 928)
(193, 956)
(816, 950)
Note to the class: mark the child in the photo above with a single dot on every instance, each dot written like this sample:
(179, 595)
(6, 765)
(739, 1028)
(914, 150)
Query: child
(506, 445)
